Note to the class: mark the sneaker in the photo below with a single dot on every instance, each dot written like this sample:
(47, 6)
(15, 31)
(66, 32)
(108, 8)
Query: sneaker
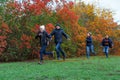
(41, 62)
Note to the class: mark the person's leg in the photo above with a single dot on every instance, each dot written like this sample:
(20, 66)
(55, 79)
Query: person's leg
(57, 50)
(63, 53)
(42, 51)
(107, 51)
(92, 49)
(104, 50)
(87, 51)
(46, 53)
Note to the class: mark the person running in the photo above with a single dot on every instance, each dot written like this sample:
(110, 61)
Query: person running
(58, 33)
(89, 45)
(43, 37)
(106, 43)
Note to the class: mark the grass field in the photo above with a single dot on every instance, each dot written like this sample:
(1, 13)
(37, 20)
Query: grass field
(95, 68)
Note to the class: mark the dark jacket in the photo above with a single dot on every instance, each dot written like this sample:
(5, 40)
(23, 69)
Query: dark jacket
(58, 33)
(107, 42)
(89, 41)
(43, 36)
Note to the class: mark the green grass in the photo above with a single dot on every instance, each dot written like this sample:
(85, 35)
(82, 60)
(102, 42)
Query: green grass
(95, 68)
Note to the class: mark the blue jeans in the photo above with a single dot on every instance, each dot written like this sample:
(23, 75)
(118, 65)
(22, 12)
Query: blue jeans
(106, 50)
(89, 49)
(58, 50)
(43, 51)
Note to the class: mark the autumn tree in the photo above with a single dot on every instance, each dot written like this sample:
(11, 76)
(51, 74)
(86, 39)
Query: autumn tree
(19, 23)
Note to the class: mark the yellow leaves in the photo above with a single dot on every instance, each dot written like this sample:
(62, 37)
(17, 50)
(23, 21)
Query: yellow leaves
(82, 8)
(89, 10)
(98, 37)
(104, 13)
(80, 38)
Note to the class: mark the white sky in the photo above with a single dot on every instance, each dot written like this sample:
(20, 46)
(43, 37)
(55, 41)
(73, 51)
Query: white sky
(109, 4)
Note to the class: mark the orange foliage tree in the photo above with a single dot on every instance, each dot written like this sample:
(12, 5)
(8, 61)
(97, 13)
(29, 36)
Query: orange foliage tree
(22, 21)
(98, 21)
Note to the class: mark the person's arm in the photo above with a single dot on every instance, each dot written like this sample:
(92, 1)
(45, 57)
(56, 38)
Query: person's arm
(65, 35)
(36, 37)
(52, 33)
(111, 43)
(47, 35)
(89, 40)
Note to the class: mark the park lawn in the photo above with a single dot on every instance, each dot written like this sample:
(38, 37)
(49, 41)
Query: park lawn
(95, 68)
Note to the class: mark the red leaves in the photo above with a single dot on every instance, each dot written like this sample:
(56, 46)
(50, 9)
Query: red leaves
(37, 26)
(35, 7)
(40, 6)
(5, 28)
(2, 38)
(68, 15)
(35, 29)
(49, 27)
(71, 4)
(4, 31)
(25, 38)
(35, 52)
(25, 41)
(3, 43)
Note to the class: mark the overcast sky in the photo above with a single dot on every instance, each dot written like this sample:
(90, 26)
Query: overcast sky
(109, 4)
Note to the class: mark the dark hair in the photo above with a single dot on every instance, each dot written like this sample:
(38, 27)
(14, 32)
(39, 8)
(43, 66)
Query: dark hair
(57, 25)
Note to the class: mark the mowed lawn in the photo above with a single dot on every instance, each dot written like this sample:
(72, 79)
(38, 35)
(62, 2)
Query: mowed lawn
(95, 68)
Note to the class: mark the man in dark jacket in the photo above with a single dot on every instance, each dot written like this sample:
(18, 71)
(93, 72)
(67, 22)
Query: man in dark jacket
(89, 45)
(106, 43)
(58, 33)
(43, 36)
